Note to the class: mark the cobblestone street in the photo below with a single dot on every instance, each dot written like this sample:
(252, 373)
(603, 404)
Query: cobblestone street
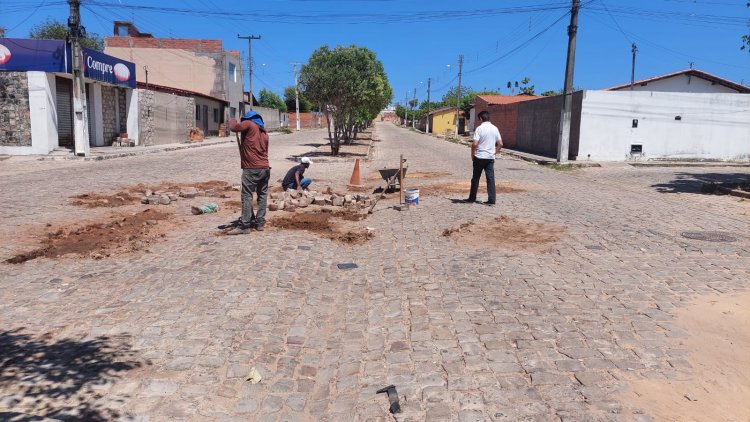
(469, 330)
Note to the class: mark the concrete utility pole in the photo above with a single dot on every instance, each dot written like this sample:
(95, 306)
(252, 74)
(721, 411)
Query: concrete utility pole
(458, 97)
(564, 140)
(296, 92)
(632, 70)
(414, 109)
(80, 112)
(427, 127)
(250, 39)
(406, 109)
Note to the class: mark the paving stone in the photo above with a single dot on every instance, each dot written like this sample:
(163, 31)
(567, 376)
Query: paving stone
(443, 321)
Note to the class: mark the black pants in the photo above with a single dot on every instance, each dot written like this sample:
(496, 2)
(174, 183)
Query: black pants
(488, 166)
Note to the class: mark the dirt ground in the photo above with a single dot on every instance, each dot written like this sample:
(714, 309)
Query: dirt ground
(464, 187)
(717, 388)
(506, 232)
(121, 233)
(133, 194)
(330, 225)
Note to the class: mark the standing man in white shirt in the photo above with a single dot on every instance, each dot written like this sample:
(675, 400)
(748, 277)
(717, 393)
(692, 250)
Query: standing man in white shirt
(487, 143)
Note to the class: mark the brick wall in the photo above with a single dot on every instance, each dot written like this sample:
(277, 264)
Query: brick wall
(171, 43)
(15, 115)
(308, 120)
(504, 116)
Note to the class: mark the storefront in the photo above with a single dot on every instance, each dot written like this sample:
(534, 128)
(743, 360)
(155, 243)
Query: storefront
(36, 97)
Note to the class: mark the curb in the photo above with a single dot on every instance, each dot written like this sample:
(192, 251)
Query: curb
(689, 164)
(132, 153)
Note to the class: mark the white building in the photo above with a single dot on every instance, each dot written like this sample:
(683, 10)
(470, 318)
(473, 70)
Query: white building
(686, 115)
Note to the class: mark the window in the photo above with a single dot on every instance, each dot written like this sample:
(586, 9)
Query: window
(232, 72)
(232, 113)
(197, 112)
(216, 115)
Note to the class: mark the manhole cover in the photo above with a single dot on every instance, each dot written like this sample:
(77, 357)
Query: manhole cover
(710, 236)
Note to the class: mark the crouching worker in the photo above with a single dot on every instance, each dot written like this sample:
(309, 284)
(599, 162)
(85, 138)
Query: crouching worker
(294, 177)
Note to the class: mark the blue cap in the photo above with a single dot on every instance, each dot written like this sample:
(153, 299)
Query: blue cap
(253, 117)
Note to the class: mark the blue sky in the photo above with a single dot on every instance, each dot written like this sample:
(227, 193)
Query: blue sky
(416, 39)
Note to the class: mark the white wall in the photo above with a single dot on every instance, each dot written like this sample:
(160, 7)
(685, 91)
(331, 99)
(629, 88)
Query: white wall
(683, 83)
(712, 126)
(96, 139)
(131, 98)
(43, 116)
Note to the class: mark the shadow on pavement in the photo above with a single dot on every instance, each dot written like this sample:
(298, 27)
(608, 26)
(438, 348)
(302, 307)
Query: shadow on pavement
(701, 182)
(41, 379)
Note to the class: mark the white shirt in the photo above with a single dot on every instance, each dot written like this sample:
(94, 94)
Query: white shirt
(486, 135)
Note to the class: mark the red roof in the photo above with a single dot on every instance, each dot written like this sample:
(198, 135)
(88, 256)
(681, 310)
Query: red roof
(691, 72)
(506, 99)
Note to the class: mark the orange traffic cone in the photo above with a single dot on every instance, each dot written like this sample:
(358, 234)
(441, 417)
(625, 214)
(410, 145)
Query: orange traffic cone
(355, 181)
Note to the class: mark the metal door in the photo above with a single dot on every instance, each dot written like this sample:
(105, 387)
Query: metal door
(64, 100)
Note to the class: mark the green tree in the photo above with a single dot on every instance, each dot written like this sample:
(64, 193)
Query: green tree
(350, 84)
(269, 99)
(552, 93)
(305, 106)
(52, 29)
(525, 87)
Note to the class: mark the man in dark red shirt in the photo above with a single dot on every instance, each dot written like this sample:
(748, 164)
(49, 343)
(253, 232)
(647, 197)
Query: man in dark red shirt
(256, 171)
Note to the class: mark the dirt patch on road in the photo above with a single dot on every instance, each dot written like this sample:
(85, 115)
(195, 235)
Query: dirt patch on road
(99, 240)
(95, 200)
(325, 224)
(133, 194)
(717, 385)
(505, 232)
(464, 187)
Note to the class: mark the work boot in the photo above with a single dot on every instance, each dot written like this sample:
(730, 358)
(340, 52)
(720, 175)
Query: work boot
(259, 228)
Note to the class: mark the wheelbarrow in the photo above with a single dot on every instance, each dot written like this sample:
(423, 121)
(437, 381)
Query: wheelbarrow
(388, 174)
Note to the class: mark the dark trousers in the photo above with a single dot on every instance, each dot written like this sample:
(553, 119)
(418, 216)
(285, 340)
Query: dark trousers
(254, 180)
(488, 166)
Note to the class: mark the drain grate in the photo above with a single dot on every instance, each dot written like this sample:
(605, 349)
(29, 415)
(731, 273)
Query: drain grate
(710, 236)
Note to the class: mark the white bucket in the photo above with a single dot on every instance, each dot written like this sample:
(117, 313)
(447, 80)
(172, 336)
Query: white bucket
(412, 196)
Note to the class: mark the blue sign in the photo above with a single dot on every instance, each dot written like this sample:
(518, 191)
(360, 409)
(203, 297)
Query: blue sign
(109, 69)
(35, 55)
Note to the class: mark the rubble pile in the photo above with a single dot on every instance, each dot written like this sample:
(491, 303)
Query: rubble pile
(167, 197)
(292, 199)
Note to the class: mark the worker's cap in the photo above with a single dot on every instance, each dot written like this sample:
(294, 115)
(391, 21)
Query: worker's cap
(305, 160)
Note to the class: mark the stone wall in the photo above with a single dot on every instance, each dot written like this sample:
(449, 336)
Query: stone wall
(123, 111)
(146, 117)
(15, 114)
(109, 116)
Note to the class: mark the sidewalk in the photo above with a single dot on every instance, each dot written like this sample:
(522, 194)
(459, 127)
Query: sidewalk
(110, 152)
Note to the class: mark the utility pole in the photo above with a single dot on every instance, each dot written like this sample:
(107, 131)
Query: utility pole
(458, 97)
(250, 39)
(296, 92)
(414, 109)
(564, 140)
(632, 71)
(406, 109)
(427, 127)
(80, 112)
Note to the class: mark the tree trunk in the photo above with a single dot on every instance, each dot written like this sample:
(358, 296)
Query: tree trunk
(328, 123)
